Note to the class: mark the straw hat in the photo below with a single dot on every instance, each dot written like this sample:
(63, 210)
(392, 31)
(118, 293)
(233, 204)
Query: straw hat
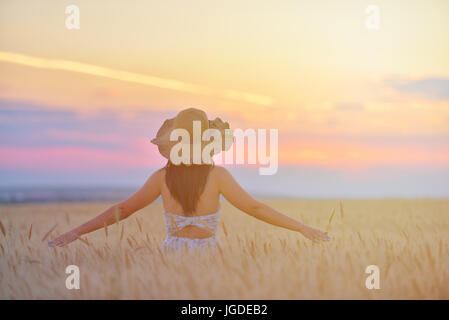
(184, 120)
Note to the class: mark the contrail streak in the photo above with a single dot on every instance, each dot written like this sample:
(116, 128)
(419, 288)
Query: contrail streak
(110, 73)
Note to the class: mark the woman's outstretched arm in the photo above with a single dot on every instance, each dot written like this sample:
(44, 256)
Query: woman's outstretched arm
(239, 198)
(146, 195)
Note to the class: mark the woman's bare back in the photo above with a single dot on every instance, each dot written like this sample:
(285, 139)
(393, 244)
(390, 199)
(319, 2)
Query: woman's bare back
(208, 203)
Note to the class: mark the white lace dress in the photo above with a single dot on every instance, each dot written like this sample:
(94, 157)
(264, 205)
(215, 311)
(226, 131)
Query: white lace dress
(176, 222)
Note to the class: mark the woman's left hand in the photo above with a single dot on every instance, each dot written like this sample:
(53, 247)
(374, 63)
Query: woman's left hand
(63, 239)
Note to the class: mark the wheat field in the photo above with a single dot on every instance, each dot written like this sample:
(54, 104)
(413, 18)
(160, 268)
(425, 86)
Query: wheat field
(407, 239)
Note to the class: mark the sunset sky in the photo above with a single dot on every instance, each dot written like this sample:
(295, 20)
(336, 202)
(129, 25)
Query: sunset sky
(360, 112)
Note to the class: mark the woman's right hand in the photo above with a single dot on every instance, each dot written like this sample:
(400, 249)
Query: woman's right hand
(314, 234)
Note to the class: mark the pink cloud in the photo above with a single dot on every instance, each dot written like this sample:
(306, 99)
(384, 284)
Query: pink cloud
(357, 155)
(79, 136)
(77, 158)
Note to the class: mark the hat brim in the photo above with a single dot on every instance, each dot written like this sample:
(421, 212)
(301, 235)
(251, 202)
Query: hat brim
(162, 139)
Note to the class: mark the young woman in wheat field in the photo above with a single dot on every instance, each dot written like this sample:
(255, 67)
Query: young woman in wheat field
(190, 195)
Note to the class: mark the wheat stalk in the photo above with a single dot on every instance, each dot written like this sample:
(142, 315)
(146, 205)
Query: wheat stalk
(105, 229)
(330, 220)
(29, 232)
(116, 215)
(49, 231)
(342, 212)
(83, 241)
(139, 225)
(2, 228)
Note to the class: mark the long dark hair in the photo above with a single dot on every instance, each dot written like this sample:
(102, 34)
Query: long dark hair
(186, 183)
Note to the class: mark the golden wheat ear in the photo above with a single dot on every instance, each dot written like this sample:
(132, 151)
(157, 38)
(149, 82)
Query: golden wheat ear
(330, 220)
(342, 211)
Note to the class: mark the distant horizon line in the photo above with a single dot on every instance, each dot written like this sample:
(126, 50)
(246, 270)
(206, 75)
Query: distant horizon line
(131, 189)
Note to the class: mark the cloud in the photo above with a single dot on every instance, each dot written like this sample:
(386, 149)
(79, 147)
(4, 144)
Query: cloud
(437, 88)
(76, 159)
(110, 73)
(26, 124)
(349, 107)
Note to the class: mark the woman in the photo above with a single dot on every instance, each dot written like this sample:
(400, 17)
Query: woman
(190, 194)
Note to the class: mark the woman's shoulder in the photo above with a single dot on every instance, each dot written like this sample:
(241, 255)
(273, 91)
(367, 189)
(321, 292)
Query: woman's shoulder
(220, 172)
(159, 174)
(218, 169)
